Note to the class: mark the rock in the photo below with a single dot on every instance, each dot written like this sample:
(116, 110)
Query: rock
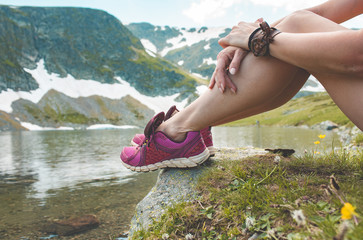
(281, 151)
(176, 185)
(9, 123)
(72, 225)
(56, 109)
(326, 125)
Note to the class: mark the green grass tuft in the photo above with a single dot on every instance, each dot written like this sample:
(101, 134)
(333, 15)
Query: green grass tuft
(257, 195)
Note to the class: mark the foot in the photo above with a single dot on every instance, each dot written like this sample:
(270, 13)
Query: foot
(206, 134)
(159, 151)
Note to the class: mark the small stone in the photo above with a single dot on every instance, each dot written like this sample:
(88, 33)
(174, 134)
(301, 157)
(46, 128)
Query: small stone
(73, 225)
(277, 159)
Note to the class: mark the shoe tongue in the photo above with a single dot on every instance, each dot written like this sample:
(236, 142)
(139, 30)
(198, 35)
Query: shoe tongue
(170, 112)
(153, 124)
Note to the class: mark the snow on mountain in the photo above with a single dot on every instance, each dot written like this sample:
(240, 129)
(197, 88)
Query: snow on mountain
(83, 88)
(188, 38)
(210, 61)
(313, 85)
(149, 47)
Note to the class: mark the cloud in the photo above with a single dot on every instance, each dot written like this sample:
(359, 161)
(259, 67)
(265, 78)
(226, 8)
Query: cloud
(289, 5)
(205, 10)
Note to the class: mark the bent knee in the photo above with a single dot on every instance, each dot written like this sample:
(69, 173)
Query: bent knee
(297, 22)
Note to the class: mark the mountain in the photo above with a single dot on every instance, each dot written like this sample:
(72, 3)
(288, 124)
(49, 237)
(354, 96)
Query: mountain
(195, 50)
(85, 43)
(40, 45)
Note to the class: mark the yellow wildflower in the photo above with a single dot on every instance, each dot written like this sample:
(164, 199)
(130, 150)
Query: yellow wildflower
(316, 142)
(322, 136)
(348, 211)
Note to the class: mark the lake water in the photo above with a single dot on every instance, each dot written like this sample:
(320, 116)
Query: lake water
(47, 175)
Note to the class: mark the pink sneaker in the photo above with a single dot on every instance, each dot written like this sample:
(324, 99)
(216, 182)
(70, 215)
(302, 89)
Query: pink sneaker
(158, 151)
(206, 134)
(208, 140)
(139, 138)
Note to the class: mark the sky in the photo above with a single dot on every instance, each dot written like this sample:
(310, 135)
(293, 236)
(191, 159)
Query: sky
(189, 13)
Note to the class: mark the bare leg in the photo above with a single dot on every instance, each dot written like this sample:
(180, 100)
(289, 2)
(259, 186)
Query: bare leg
(347, 93)
(261, 83)
(288, 93)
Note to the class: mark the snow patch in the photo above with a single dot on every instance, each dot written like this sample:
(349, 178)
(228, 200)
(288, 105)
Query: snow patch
(149, 47)
(34, 127)
(206, 47)
(210, 61)
(317, 88)
(83, 88)
(201, 89)
(192, 38)
(109, 126)
(181, 62)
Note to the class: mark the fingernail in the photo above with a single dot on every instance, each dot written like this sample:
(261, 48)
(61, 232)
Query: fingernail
(233, 90)
(232, 71)
(220, 89)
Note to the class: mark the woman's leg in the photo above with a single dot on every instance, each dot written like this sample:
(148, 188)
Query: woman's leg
(261, 83)
(289, 92)
(347, 93)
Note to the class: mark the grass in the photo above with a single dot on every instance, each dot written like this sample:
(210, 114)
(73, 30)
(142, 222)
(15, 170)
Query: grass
(308, 110)
(260, 195)
(359, 139)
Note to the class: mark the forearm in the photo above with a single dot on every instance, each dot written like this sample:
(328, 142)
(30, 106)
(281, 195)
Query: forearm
(338, 11)
(339, 52)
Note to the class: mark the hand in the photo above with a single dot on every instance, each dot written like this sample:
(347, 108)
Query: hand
(229, 59)
(239, 35)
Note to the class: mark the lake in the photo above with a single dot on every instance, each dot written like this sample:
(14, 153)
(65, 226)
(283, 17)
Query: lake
(48, 175)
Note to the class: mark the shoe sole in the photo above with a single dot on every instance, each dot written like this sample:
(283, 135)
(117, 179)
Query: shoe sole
(212, 150)
(190, 162)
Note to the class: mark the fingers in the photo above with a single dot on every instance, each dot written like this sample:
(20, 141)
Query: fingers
(239, 55)
(229, 83)
(220, 74)
(212, 80)
(228, 61)
(224, 42)
(260, 20)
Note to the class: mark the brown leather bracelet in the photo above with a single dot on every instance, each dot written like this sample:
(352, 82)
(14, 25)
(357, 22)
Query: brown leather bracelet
(260, 39)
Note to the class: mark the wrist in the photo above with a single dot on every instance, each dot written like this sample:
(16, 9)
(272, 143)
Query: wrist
(260, 39)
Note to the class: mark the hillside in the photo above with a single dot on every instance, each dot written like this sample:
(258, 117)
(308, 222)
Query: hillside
(85, 43)
(308, 110)
(193, 49)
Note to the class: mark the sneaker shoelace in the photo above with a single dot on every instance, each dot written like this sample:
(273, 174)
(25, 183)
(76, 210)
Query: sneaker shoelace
(149, 131)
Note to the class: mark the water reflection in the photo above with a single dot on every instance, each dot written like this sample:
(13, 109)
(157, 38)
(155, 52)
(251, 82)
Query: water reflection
(63, 158)
(299, 139)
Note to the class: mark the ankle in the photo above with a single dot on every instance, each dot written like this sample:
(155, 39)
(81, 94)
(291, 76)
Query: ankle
(174, 133)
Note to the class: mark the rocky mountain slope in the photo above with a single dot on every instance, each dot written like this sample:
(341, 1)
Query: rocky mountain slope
(59, 110)
(193, 49)
(85, 44)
